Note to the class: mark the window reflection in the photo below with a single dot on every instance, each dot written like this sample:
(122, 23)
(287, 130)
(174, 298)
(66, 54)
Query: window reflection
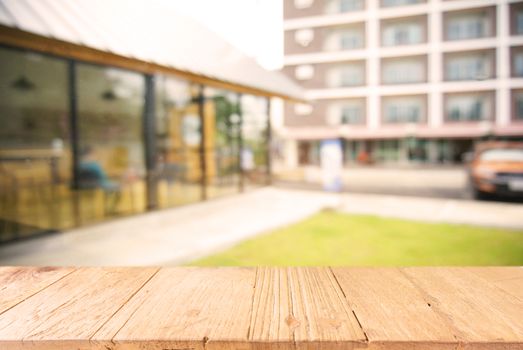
(470, 24)
(44, 188)
(222, 142)
(35, 154)
(404, 109)
(254, 131)
(403, 31)
(178, 142)
(469, 106)
(111, 166)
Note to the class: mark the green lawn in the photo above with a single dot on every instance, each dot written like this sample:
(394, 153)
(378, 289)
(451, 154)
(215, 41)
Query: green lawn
(330, 238)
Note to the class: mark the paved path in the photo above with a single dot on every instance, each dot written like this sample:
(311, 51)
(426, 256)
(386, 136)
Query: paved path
(171, 236)
(175, 236)
(490, 214)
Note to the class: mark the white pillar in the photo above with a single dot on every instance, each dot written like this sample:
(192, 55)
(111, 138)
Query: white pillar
(435, 65)
(373, 65)
(290, 154)
(502, 64)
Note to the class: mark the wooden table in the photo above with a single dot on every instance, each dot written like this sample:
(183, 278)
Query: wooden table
(261, 308)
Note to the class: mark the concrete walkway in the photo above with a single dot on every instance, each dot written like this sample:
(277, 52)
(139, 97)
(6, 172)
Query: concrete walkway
(172, 236)
(176, 236)
(470, 212)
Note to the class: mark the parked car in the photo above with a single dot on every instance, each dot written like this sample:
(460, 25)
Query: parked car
(496, 168)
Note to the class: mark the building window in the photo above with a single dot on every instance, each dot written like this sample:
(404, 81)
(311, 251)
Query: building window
(404, 70)
(347, 112)
(351, 115)
(110, 122)
(347, 75)
(402, 114)
(341, 6)
(253, 155)
(517, 105)
(304, 72)
(519, 102)
(403, 109)
(469, 66)
(468, 107)
(469, 25)
(344, 38)
(405, 32)
(222, 113)
(391, 3)
(517, 61)
(178, 142)
(516, 18)
(519, 22)
(350, 40)
(303, 4)
(350, 5)
(35, 152)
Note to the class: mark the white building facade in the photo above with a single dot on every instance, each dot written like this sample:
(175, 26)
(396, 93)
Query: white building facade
(403, 80)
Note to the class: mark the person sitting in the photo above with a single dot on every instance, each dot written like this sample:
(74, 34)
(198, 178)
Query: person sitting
(92, 176)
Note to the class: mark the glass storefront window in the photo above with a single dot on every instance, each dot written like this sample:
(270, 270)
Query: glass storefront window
(35, 153)
(255, 118)
(178, 142)
(111, 167)
(45, 186)
(222, 142)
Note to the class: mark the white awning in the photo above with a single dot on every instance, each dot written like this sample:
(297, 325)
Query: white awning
(148, 31)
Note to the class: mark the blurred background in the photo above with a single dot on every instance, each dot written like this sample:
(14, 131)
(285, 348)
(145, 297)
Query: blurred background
(249, 132)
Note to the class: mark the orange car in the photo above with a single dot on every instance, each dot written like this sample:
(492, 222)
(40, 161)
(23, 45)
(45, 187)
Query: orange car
(497, 169)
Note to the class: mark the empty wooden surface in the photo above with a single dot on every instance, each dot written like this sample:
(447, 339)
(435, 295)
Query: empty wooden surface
(261, 308)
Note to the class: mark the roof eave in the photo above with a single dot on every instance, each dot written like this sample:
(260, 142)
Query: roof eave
(15, 37)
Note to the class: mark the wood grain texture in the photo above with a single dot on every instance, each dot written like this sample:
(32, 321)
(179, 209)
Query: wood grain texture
(479, 312)
(264, 308)
(509, 279)
(71, 310)
(304, 308)
(19, 283)
(392, 310)
(187, 308)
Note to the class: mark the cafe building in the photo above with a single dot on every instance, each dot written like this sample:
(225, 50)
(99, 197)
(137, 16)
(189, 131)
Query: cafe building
(114, 108)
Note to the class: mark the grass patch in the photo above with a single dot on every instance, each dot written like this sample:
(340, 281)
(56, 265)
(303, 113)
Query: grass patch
(330, 238)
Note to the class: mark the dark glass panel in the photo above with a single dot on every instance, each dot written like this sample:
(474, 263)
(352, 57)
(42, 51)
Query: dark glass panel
(254, 160)
(222, 142)
(35, 153)
(111, 166)
(178, 136)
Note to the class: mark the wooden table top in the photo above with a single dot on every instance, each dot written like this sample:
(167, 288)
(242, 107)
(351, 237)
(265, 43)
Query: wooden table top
(261, 308)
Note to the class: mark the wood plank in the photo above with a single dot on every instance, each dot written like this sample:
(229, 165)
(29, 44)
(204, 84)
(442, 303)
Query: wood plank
(272, 323)
(264, 308)
(392, 311)
(70, 311)
(18, 283)
(482, 315)
(507, 278)
(186, 308)
(304, 306)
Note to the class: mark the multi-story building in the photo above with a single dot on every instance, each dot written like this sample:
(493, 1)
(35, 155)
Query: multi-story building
(403, 80)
